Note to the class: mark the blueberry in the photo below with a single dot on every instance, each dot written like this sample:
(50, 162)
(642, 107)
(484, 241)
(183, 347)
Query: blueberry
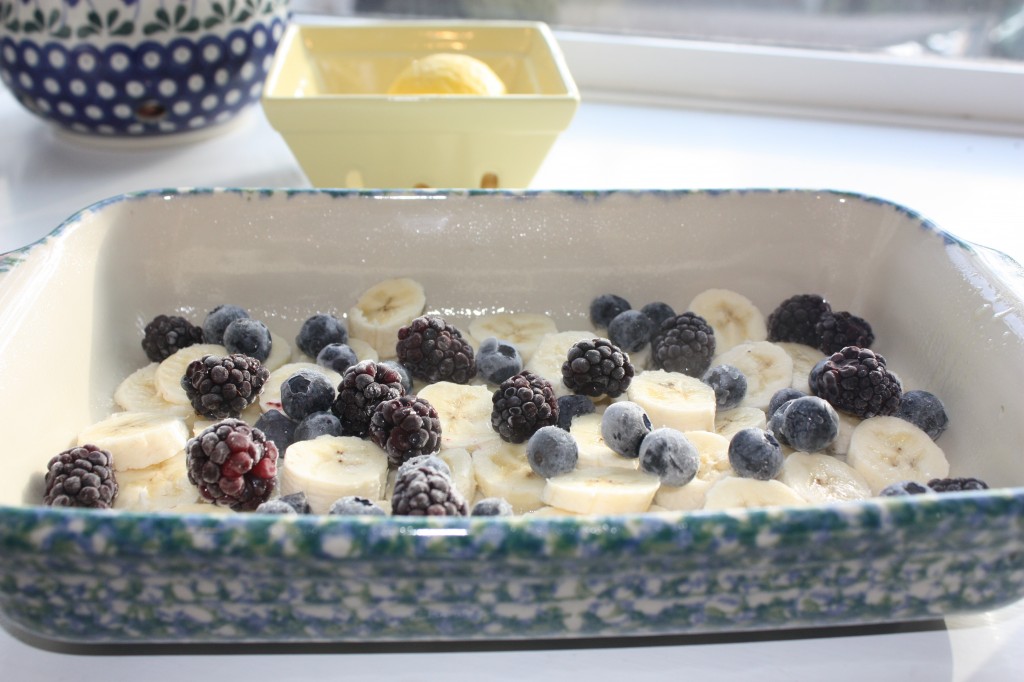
(624, 426)
(316, 425)
(670, 456)
(730, 385)
(403, 372)
(901, 488)
(812, 377)
(552, 451)
(298, 502)
(318, 331)
(809, 424)
(630, 330)
(755, 453)
(248, 337)
(275, 507)
(924, 410)
(658, 312)
(572, 406)
(305, 392)
(497, 360)
(775, 424)
(354, 505)
(218, 319)
(492, 506)
(605, 307)
(278, 427)
(337, 357)
(781, 397)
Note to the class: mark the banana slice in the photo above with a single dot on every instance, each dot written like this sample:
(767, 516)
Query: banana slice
(804, 359)
(502, 470)
(138, 439)
(889, 449)
(602, 490)
(551, 353)
(523, 330)
(382, 310)
(766, 366)
(330, 467)
(729, 422)
(674, 400)
(461, 463)
(841, 445)
(733, 492)
(464, 412)
(170, 371)
(820, 478)
(270, 396)
(138, 393)
(280, 352)
(733, 316)
(593, 451)
(714, 464)
(157, 487)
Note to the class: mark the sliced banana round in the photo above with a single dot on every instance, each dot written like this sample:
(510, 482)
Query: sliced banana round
(766, 366)
(461, 464)
(170, 371)
(280, 352)
(674, 400)
(729, 422)
(889, 450)
(593, 451)
(270, 396)
(330, 467)
(382, 310)
(820, 478)
(550, 355)
(733, 316)
(523, 330)
(157, 487)
(138, 393)
(733, 492)
(138, 439)
(714, 464)
(502, 470)
(841, 444)
(602, 490)
(804, 360)
(464, 412)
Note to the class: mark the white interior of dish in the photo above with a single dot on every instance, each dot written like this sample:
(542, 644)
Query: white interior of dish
(71, 314)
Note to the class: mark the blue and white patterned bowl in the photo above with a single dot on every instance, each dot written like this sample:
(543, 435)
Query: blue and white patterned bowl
(946, 314)
(138, 68)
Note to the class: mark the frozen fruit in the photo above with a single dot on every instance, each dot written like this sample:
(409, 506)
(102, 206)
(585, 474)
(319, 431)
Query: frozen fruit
(218, 319)
(337, 357)
(857, 381)
(403, 374)
(353, 505)
(492, 506)
(406, 427)
(658, 312)
(81, 477)
(809, 424)
(497, 360)
(729, 383)
(297, 501)
(276, 507)
(232, 464)
(950, 485)
(433, 350)
(248, 337)
(424, 491)
(836, 331)
(630, 330)
(318, 331)
(317, 424)
(430, 460)
(165, 335)
(924, 410)
(624, 425)
(755, 453)
(669, 455)
(781, 397)
(278, 427)
(685, 344)
(605, 307)
(901, 488)
(222, 386)
(305, 392)
(796, 319)
(597, 367)
(552, 451)
(363, 386)
(815, 374)
(522, 404)
(571, 406)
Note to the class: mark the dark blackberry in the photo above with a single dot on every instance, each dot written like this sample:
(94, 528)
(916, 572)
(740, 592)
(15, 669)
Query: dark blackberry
(952, 485)
(684, 343)
(81, 477)
(222, 386)
(232, 464)
(605, 307)
(425, 491)
(597, 367)
(796, 318)
(855, 380)
(522, 404)
(165, 335)
(406, 427)
(433, 350)
(836, 331)
(364, 386)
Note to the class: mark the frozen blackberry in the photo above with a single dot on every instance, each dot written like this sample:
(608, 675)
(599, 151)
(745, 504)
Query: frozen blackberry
(684, 343)
(433, 350)
(924, 410)
(317, 424)
(492, 506)
(658, 312)
(815, 373)
(403, 374)
(364, 386)
(552, 451)
(337, 357)
(353, 505)
(729, 383)
(497, 360)
(165, 335)
(795, 319)
(424, 491)
(855, 380)
(836, 331)
(278, 427)
(406, 427)
(605, 307)
(522, 404)
(572, 406)
(597, 367)
(952, 485)
(248, 337)
(218, 319)
(318, 331)
(305, 392)
(222, 386)
(232, 464)
(81, 477)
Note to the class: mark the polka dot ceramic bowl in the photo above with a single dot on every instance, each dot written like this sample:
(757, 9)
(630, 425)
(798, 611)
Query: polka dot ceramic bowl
(138, 68)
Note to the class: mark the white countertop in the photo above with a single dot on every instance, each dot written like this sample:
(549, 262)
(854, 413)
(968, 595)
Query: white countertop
(969, 184)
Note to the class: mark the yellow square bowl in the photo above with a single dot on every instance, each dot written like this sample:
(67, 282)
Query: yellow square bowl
(327, 95)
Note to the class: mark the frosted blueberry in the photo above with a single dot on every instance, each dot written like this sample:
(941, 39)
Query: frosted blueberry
(316, 425)
(278, 427)
(552, 451)
(572, 406)
(809, 424)
(755, 453)
(492, 506)
(337, 357)
(624, 426)
(630, 330)
(658, 312)
(730, 385)
(218, 319)
(318, 331)
(354, 505)
(605, 307)
(901, 488)
(781, 397)
(248, 337)
(925, 411)
(497, 360)
(670, 456)
(305, 392)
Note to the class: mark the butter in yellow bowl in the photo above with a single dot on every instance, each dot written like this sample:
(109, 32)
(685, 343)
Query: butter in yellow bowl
(447, 73)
